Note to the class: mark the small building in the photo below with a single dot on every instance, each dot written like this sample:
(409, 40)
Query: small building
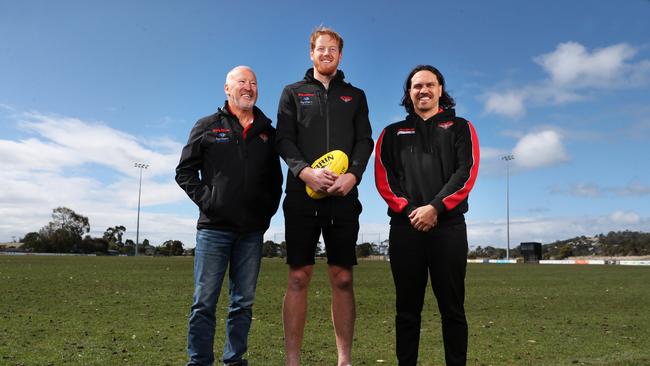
(12, 247)
(531, 251)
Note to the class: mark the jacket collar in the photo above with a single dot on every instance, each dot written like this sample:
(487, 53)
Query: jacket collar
(338, 78)
(445, 115)
(260, 122)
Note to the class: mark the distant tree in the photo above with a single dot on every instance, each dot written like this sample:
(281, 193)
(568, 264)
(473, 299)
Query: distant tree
(63, 241)
(114, 235)
(66, 219)
(63, 234)
(33, 242)
(171, 248)
(270, 249)
(566, 251)
(93, 245)
(146, 248)
(129, 247)
(366, 250)
(487, 252)
(516, 252)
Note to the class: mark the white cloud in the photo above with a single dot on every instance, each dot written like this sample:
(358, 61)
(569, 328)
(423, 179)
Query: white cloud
(625, 217)
(579, 189)
(80, 142)
(7, 107)
(491, 163)
(573, 73)
(639, 74)
(573, 66)
(490, 153)
(586, 190)
(632, 189)
(539, 149)
(509, 104)
(34, 154)
(88, 167)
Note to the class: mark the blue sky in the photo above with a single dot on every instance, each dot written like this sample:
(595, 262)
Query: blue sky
(89, 88)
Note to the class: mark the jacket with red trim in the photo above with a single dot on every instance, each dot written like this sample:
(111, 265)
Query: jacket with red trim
(313, 120)
(233, 175)
(432, 162)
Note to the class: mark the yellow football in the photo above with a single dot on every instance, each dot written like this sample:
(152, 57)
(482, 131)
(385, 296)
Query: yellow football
(336, 161)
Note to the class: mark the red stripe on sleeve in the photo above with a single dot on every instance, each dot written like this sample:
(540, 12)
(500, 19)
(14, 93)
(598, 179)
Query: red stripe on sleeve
(395, 203)
(457, 197)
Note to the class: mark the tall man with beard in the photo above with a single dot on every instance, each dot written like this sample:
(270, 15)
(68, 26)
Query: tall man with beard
(425, 167)
(231, 170)
(316, 115)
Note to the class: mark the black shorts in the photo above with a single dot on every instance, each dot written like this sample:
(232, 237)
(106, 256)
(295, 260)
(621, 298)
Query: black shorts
(337, 218)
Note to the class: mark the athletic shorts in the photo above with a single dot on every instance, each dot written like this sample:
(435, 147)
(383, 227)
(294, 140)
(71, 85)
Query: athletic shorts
(337, 218)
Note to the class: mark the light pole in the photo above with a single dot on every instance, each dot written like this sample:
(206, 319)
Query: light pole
(137, 230)
(507, 159)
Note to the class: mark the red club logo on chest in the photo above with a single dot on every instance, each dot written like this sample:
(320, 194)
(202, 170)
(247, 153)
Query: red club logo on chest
(446, 125)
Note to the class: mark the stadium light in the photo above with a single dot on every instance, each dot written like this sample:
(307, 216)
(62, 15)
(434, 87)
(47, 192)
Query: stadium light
(507, 159)
(137, 230)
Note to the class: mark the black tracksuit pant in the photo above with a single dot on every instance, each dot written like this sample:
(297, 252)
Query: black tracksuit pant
(440, 253)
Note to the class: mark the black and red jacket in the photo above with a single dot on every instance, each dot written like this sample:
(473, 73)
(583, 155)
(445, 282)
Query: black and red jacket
(432, 162)
(233, 175)
(313, 120)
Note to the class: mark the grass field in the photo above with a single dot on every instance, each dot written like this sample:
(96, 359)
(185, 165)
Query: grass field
(133, 311)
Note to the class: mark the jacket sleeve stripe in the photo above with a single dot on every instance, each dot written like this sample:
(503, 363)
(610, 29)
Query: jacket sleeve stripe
(457, 197)
(395, 203)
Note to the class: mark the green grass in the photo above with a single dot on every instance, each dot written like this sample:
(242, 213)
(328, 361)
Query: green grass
(133, 311)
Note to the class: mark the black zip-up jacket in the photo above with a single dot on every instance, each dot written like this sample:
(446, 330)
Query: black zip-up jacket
(432, 162)
(313, 120)
(232, 175)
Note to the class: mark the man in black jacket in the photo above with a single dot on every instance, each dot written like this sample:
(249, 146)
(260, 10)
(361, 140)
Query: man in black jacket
(425, 167)
(316, 115)
(230, 169)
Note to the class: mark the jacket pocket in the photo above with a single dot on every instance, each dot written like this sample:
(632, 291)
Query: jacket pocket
(219, 200)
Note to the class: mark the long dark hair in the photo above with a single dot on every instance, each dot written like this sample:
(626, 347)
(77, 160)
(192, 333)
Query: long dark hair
(446, 101)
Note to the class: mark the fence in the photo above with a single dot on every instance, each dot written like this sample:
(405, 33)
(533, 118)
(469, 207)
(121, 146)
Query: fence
(570, 261)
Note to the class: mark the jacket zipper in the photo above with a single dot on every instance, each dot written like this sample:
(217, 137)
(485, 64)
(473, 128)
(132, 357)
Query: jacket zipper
(327, 144)
(327, 123)
(322, 104)
(241, 142)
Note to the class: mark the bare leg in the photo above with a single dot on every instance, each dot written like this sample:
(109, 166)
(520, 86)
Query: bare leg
(343, 311)
(294, 311)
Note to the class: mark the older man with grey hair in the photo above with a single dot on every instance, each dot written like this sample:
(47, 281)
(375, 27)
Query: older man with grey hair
(230, 170)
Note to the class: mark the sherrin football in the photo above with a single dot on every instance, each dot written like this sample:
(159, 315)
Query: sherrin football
(336, 161)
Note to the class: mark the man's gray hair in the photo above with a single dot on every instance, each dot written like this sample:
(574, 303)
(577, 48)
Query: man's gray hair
(235, 69)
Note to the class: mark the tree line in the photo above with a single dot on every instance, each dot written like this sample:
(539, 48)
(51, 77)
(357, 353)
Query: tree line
(612, 244)
(271, 249)
(68, 233)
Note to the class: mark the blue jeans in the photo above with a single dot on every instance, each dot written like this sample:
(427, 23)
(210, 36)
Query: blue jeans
(215, 252)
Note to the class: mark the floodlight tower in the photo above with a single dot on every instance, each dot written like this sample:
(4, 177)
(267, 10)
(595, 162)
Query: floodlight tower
(137, 230)
(507, 159)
